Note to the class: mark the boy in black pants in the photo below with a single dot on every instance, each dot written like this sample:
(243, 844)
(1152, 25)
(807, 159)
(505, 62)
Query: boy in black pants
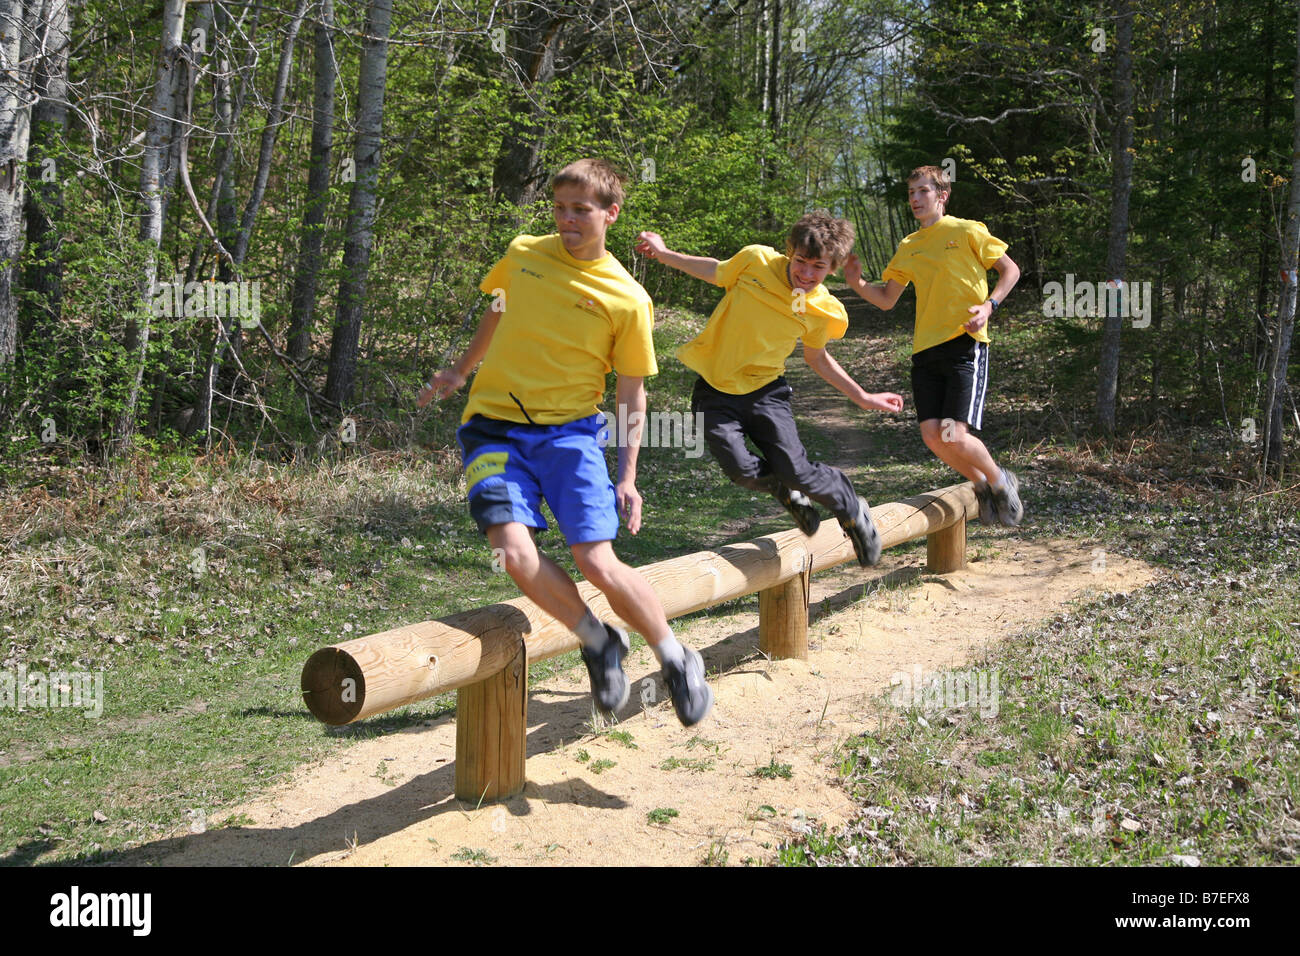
(948, 260)
(772, 302)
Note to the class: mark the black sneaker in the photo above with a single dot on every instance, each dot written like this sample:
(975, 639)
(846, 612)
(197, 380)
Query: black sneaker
(988, 509)
(691, 693)
(801, 508)
(862, 532)
(1006, 500)
(609, 687)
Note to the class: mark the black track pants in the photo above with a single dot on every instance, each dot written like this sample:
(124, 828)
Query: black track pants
(764, 416)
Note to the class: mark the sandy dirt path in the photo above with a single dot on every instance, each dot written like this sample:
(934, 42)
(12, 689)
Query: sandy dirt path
(388, 801)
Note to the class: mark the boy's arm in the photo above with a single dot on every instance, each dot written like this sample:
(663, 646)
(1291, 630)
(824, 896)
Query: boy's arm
(630, 392)
(825, 365)
(651, 245)
(1008, 276)
(883, 295)
(449, 380)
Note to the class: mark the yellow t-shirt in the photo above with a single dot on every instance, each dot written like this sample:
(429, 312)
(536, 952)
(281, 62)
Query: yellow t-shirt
(949, 263)
(566, 323)
(756, 325)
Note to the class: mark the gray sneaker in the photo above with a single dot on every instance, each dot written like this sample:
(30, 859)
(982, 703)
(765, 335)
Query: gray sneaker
(691, 693)
(1006, 500)
(862, 532)
(801, 509)
(988, 510)
(609, 687)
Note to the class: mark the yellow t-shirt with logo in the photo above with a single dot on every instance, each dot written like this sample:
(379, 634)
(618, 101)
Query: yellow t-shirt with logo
(756, 325)
(566, 323)
(948, 263)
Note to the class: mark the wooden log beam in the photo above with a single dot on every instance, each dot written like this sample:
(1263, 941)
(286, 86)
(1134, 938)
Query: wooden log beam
(380, 672)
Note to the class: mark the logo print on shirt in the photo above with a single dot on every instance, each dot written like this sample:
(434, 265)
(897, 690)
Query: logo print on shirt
(951, 244)
(530, 272)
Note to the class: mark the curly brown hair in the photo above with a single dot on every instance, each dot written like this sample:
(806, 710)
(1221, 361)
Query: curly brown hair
(819, 235)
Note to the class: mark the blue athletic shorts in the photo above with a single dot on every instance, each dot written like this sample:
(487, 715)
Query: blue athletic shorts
(511, 467)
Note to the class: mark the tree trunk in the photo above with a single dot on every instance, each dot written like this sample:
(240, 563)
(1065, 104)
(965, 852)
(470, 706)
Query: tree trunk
(1259, 336)
(1121, 183)
(15, 130)
(532, 43)
(361, 205)
(274, 120)
(303, 301)
(231, 332)
(1275, 399)
(1157, 320)
(773, 72)
(162, 123)
(44, 209)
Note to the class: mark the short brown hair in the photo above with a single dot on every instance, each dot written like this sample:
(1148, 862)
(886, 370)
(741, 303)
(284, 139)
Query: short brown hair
(819, 235)
(598, 175)
(938, 177)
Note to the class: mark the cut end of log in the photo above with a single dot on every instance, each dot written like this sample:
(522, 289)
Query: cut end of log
(333, 686)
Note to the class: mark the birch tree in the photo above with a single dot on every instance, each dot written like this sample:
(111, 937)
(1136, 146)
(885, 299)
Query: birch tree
(167, 98)
(44, 209)
(1121, 185)
(15, 130)
(325, 75)
(361, 204)
(1277, 392)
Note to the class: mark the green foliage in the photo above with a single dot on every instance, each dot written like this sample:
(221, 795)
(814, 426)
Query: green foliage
(661, 815)
(773, 770)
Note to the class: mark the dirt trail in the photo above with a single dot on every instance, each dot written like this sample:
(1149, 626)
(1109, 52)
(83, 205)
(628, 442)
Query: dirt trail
(389, 801)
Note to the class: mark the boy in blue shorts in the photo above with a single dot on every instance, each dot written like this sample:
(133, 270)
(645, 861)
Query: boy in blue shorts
(565, 312)
(948, 260)
(773, 302)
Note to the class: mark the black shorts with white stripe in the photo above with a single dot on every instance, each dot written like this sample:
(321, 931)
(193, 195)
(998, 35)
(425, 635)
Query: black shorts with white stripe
(949, 380)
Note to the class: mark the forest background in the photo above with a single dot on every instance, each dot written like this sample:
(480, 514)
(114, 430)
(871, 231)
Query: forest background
(355, 168)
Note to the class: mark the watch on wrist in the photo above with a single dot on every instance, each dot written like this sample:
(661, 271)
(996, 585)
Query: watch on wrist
(993, 302)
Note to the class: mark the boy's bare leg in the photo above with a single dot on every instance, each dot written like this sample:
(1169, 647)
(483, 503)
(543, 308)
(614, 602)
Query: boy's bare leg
(547, 585)
(541, 579)
(964, 453)
(630, 595)
(632, 598)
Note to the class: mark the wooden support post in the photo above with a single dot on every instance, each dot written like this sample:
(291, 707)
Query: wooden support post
(491, 733)
(946, 550)
(783, 618)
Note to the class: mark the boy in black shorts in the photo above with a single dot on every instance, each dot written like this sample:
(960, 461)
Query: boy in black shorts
(948, 260)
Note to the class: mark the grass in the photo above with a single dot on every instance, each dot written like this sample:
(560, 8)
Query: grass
(661, 815)
(1148, 729)
(773, 770)
(475, 856)
(197, 586)
(621, 737)
(691, 764)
